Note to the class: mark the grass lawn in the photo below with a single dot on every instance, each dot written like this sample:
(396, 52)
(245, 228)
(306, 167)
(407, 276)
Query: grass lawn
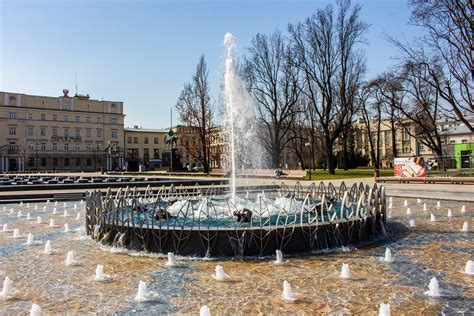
(320, 174)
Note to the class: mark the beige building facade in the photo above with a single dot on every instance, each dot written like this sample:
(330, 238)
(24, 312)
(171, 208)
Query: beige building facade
(65, 133)
(145, 147)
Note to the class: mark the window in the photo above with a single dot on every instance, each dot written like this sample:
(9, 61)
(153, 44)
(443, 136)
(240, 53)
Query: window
(99, 133)
(30, 131)
(12, 115)
(31, 146)
(31, 162)
(12, 131)
(66, 146)
(66, 132)
(129, 140)
(78, 132)
(43, 162)
(156, 140)
(43, 117)
(99, 120)
(66, 162)
(464, 141)
(146, 154)
(406, 134)
(114, 134)
(12, 145)
(55, 161)
(78, 119)
(30, 116)
(55, 131)
(43, 146)
(135, 140)
(66, 118)
(78, 147)
(99, 146)
(43, 131)
(55, 147)
(113, 121)
(156, 153)
(88, 162)
(78, 162)
(146, 140)
(452, 141)
(55, 117)
(88, 132)
(88, 119)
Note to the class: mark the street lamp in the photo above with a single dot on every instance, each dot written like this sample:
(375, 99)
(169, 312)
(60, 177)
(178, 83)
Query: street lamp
(307, 144)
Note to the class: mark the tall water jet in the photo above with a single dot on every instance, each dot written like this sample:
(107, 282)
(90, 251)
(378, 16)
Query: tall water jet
(463, 209)
(66, 228)
(425, 208)
(438, 204)
(465, 227)
(240, 119)
(29, 240)
(287, 294)
(469, 268)
(433, 288)
(219, 274)
(16, 233)
(390, 205)
(78, 216)
(70, 258)
(384, 310)
(5, 228)
(171, 260)
(450, 213)
(279, 257)
(99, 273)
(432, 218)
(36, 310)
(142, 294)
(345, 271)
(412, 222)
(47, 248)
(7, 288)
(204, 311)
(388, 255)
(405, 203)
(51, 223)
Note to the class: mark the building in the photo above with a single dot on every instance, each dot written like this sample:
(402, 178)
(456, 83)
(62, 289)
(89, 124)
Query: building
(146, 147)
(60, 133)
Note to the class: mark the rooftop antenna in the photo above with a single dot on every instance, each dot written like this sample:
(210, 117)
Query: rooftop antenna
(75, 79)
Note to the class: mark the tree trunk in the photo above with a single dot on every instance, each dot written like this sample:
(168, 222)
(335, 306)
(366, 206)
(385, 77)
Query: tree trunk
(331, 159)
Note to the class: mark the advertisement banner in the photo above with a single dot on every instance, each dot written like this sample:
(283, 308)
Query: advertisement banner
(409, 167)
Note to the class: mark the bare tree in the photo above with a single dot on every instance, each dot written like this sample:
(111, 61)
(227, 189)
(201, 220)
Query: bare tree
(445, 50)
(273, 81)
(197, 111)
(325, 45)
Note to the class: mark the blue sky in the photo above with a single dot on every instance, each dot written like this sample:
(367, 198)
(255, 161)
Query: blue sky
(142, 52)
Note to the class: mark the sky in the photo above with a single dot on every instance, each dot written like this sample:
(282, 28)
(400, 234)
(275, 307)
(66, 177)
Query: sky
(143, 52)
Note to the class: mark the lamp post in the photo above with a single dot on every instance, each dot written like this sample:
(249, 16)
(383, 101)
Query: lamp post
(307, 144)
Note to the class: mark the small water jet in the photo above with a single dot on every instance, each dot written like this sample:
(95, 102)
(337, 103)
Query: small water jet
(39, 220)
(27, 205)
(345, 271)
(7, 288)
(469, 268)
(425, 208)
(5, 228)
(279, 257)
(433, 288)
(16, 233)
(388, 255)
(412, 222)
(66, 214)
(36, 207)
(463, 209)
(432, 218)
(405, 203)
(219, 274)
(204, 311)
(47, 248)
(56, 203)
(66, 228)
(29, 240)
(75, 206)
(28, 217)
(20, 214)
(142, 294)
(70, 261)
(390, 205)
(438, 204)
(171, 260)
(55, 211)
(64, 204)
(384, 310)
(465, 227)
(44, 208)
(52, 223)
(450, 213)
(99, 273)
(418, 201)
(78, 216)
(288, 294)
(36, 310)
(390, 199)
(390, 214)
(408, 211)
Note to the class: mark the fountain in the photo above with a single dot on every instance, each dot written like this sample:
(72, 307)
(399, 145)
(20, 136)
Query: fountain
(432, 218)
(438, 204)
(220, 275)
(288, 294)
(20, 214)
(28, 217)
(463, 209)
(345, 271)
(142, 294)
(35, 310)
(384, 310)
(412, 222)
(47, 248)
(7, 288)
(99, 273)
(29, 240)
(408, 211)
(5, 228)
(418, 201)
(39, 220)
(279, 257)
(433, 288)
(52, 223)
(388, 255)
(465, 227)
(425, 208)
(66, 228)
(70, 259)
(171, 260)
(469, 268)
(16, 233)
(405, 203)
(450, 213)
(204, 311)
